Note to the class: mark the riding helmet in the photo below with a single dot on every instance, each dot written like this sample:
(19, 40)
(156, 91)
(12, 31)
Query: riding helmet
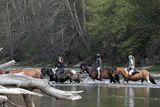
(98, 55)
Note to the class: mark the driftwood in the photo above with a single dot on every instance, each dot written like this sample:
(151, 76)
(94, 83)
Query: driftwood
(18, 91)
(28, 100)
(7, 91)
(23, 81)
(10, 63)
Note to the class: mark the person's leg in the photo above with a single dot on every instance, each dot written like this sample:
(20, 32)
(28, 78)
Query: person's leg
(98, 69)
(131, 71)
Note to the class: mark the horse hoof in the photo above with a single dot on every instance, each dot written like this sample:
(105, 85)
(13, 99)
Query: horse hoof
(99, 79)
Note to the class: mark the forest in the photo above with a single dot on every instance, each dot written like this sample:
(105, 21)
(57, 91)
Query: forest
(38, 31)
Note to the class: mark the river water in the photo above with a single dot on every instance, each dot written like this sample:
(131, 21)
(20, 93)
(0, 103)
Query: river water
(101, 94)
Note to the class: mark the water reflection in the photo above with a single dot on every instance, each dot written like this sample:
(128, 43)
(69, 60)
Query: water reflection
(98, 96)
(104, 96)
(134, 96)
(129, 101)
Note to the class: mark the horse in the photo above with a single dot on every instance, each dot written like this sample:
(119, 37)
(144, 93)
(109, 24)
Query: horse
(2, 72)
(141, 75)
(33, 72)
(105, 73)
(63, 77)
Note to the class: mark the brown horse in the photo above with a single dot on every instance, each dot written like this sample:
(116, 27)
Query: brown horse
(33, 72)
(105, 73)
(2, 72)
(141, 75)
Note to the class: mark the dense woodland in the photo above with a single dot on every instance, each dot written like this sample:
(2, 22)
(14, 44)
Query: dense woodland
(37, 31)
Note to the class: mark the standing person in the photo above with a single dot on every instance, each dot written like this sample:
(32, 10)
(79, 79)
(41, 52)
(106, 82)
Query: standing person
(59, 66)
(98, 64)
(131, 67)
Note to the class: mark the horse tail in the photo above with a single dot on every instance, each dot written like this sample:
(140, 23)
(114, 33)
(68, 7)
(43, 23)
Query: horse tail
(151, 79)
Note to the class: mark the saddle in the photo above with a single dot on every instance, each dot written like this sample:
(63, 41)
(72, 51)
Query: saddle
(134, 71)
(59, 72)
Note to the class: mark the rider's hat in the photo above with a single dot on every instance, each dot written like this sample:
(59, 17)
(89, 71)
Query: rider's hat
(130, 56)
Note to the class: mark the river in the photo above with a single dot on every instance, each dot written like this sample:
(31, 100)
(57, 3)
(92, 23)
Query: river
(101, 94)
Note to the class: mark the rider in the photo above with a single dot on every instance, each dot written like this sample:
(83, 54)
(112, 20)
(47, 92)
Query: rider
(59, 66)
(98, 64)
(131, 67)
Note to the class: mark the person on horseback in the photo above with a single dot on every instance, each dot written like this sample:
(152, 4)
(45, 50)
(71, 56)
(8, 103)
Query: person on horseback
(131, 67)
(59, 66)
(98, 64)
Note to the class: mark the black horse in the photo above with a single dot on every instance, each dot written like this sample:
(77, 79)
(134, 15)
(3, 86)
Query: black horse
(105, 73)
(67, 75)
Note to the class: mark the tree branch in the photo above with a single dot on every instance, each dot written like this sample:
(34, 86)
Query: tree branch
(10, 63)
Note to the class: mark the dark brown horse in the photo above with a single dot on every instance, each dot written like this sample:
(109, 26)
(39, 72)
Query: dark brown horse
(33, 72)
(141, 75)
(105, 73)
(70, 75)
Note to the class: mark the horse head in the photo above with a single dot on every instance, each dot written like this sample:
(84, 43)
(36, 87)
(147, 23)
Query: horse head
(84, 67)
(115, 74)
(47, 71)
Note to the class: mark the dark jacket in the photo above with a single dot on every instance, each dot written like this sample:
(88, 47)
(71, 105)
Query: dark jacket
(60, 66)
(98, 62)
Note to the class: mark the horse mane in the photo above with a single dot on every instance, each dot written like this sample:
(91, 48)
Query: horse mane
(85, 64)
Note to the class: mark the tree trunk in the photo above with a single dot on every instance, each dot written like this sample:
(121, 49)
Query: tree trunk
(10, 63)
(42, 84)
(29, 101)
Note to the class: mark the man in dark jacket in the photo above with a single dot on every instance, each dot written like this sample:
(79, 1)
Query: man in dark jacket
(98, 64)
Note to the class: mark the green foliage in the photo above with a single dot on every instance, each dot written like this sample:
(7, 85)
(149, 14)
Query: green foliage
(123, 25)
(155, 68)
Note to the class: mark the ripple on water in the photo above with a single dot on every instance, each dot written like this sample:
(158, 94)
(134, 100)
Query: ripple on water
(106, 83)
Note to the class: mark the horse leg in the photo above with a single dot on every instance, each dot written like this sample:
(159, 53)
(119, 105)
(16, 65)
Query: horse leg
(112, 80)
(71, 80)
(116, 78)
(142, 80)
(148, 80)
(126, 81)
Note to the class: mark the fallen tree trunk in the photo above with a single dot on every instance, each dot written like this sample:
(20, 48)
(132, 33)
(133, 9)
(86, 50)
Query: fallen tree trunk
(29, 101)
(42, 84)
(3, 98)
(18, 91)
(10, 63)
(26, 95)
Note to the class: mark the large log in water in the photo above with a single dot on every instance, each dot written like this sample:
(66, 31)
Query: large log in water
(10, 63)
(8, 91)
(42, 84)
